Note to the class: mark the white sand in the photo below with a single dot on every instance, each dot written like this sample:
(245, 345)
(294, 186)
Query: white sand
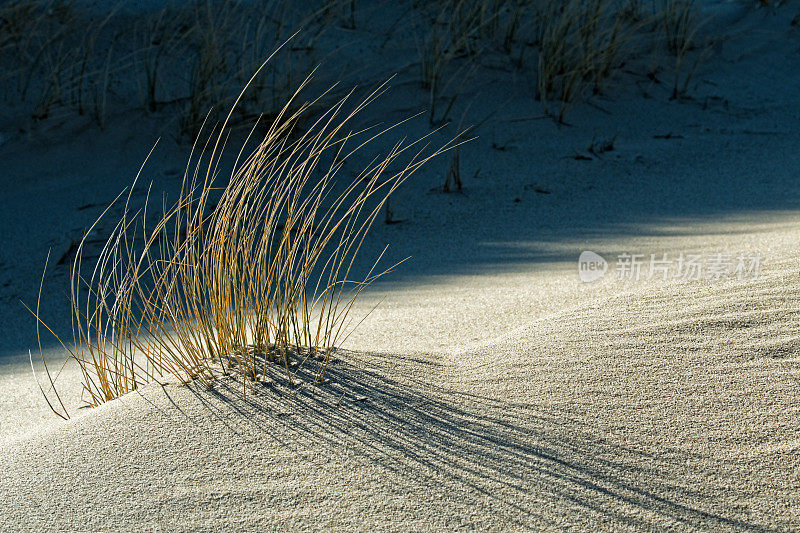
(502, 393)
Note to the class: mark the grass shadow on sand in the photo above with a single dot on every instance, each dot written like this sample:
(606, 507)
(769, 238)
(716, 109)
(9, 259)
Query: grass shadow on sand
(512, 459)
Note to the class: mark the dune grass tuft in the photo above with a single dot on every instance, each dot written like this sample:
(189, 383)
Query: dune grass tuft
(256, 271)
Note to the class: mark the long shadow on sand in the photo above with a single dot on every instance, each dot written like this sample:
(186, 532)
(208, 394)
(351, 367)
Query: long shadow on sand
(524, 462)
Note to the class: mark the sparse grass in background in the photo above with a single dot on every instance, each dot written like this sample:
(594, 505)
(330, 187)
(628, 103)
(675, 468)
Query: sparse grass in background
(159, 38)
(31, 36)
(53, 58)
(581, 45)
(183, 60)
(193, 57)
(227, 42)
(255, 272)
(453, 33)
(208, 78)
(680, 24)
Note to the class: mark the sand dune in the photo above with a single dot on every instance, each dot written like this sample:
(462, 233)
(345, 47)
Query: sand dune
(491, 389)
